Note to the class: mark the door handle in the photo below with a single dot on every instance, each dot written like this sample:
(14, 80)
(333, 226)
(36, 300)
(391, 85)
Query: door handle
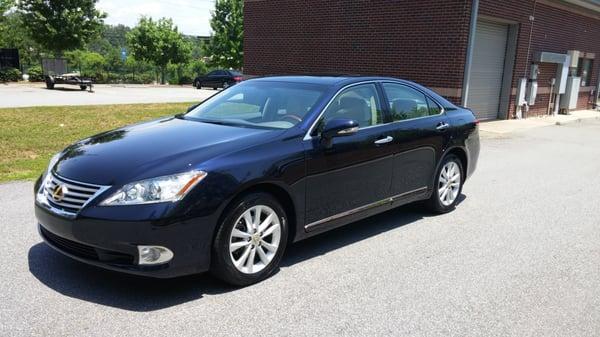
(442, 126)
(384, 140)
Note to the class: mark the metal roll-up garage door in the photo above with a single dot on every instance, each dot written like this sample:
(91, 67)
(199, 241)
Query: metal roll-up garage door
(487, 69)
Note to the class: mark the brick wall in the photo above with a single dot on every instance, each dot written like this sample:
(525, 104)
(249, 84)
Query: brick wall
(423, 41)
(554, 30)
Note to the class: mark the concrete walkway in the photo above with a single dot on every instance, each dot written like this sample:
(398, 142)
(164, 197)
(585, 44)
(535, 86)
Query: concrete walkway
(512, 125)
(35, 94)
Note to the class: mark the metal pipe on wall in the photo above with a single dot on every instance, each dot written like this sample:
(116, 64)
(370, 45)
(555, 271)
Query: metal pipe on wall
(470, 46)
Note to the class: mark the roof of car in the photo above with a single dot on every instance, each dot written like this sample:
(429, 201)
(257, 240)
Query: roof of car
(343, 80)
(321, 79)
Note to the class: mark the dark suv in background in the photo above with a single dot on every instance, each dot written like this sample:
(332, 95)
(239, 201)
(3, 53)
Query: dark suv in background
(218, 79)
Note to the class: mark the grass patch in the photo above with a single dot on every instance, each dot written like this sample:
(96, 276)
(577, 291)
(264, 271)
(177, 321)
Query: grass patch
(30, 136)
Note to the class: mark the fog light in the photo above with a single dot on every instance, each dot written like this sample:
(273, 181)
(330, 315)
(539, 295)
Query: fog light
(150, 255)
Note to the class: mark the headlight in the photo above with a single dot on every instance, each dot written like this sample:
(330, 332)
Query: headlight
(162, 189)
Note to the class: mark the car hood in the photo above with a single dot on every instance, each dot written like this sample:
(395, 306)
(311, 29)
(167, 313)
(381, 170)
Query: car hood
(153, 149)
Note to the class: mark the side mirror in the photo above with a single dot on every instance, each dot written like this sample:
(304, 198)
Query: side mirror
(339, 128)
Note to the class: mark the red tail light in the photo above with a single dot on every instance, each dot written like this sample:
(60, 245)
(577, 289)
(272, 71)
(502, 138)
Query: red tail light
(477, 122)
(237, 78)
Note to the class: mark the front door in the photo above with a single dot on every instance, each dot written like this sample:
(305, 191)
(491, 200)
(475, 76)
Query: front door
(355, 171)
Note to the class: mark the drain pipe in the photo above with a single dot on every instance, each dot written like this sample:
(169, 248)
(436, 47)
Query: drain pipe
(469, 58)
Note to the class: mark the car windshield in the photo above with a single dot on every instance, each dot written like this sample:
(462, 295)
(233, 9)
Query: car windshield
(261, 104)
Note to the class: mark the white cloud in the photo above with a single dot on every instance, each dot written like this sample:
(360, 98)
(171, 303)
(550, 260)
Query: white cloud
(190, 16)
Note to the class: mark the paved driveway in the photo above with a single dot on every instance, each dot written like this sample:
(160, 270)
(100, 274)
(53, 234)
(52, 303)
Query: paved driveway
(23, 95)
(519, 257)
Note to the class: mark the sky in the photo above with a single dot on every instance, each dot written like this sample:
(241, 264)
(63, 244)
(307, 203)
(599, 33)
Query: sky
(190, 16)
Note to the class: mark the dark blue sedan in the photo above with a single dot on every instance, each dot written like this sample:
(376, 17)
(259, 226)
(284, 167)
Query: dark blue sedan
(228, 185)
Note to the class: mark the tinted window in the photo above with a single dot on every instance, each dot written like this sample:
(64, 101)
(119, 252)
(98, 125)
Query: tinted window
(212, 73)
(235, 73)
(434, 108)
(359, 103)
(406, 103)
(260, 104)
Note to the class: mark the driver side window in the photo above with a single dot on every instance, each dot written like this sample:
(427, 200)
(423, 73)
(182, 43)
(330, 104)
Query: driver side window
(359, 103)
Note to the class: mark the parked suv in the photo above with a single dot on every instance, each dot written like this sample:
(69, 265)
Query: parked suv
(218, 79)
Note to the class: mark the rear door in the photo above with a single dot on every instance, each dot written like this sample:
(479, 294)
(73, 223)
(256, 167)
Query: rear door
(421, 134)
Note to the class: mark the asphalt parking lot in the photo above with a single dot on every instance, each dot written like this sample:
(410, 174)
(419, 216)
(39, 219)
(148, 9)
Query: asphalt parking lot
(520, 256)
(36, 94)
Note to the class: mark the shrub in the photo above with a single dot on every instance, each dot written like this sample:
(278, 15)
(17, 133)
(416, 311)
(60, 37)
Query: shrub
(10, 75)
(35, 74)
(185, 79)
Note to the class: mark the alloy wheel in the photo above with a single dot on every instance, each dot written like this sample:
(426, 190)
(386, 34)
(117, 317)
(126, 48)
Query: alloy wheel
(449, 183)
(255, 239)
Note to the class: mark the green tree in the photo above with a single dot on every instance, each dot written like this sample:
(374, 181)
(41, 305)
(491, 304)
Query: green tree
(5, 5)
(60, 25)
(158, 42)
(226, 45)
(14, 35)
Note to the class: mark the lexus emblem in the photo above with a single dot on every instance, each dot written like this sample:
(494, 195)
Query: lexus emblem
(59, 192)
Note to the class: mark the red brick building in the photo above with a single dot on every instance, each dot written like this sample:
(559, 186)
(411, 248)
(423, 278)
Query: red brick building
(485, 54)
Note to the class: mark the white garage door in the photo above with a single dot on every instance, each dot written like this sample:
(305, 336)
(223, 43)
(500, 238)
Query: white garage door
(487, 69)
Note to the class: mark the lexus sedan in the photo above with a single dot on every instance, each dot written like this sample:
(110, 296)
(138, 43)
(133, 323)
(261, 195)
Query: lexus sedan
(218, 79)
(228, 185)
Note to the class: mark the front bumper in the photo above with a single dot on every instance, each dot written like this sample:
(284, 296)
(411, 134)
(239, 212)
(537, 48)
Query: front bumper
(113, 244)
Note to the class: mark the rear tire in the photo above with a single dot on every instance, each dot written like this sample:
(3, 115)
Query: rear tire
(49, 83)
(199, 85)
(83, 87)
(447, 187)
(247, 249)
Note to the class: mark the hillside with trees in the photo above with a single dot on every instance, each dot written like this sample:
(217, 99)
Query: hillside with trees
(152, 51)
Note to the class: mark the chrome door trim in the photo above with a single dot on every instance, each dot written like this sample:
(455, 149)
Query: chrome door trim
(382, 202)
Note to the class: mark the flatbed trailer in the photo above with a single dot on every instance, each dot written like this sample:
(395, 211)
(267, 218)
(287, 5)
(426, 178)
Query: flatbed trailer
(69, 79)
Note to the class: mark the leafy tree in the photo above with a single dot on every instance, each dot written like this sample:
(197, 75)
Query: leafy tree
(88, 63)
(226, 45)
(15, 36)
(159, 43)
(59, 25)
(5, 5)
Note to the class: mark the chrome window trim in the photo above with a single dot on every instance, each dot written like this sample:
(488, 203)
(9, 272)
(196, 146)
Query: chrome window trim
(359, 209)
(307, 135)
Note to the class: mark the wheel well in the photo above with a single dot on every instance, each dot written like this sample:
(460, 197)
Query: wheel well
(462, 155)
(280, 194)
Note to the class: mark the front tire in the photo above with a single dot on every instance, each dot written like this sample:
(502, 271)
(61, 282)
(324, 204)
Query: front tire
(250, 241)
(448, 185)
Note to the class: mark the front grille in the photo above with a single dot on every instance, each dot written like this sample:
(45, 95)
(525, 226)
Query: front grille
(69, 246)
(72, 195)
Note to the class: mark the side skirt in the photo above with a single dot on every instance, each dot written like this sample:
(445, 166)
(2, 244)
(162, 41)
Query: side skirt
(366, 211)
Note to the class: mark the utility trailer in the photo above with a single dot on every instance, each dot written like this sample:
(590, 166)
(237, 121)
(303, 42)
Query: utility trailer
(55, 72)
(70, 79)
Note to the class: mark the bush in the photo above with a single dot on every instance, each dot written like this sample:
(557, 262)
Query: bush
(185, 79)
(35, 74)
(10, 75)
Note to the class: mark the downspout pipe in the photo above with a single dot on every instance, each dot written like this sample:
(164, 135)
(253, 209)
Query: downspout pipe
(470, 47)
